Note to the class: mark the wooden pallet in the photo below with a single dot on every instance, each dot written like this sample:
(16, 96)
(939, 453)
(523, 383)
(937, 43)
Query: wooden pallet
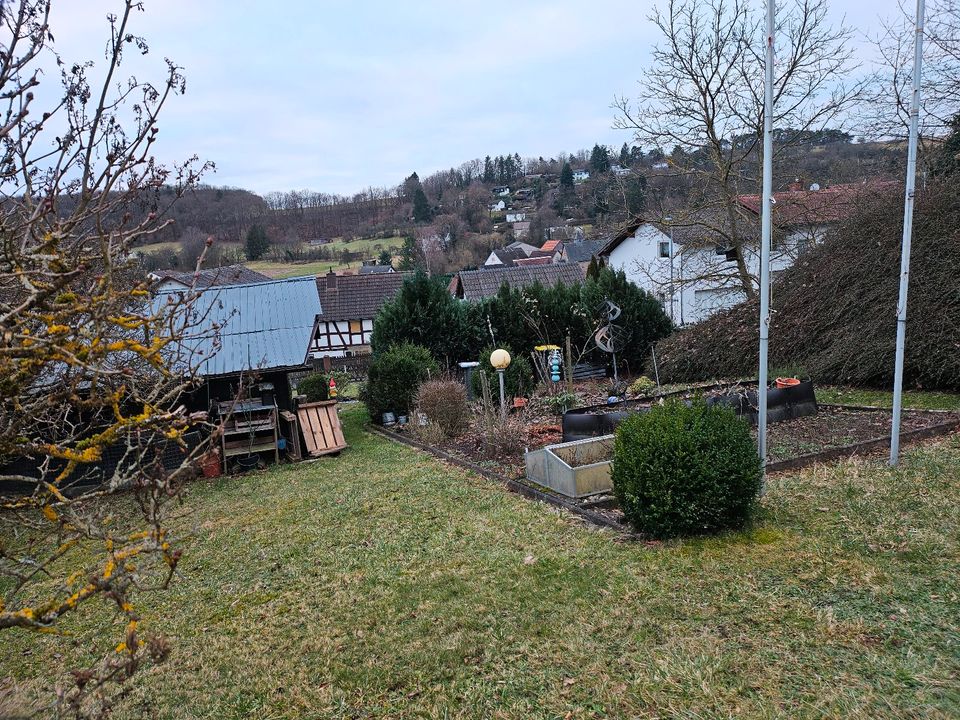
(320, 424)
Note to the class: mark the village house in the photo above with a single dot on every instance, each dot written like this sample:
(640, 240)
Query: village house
(580, 176)
(170, 280)
(517, 253)
(474, 285)
(349, 304)
(685, 262)
(515, 217)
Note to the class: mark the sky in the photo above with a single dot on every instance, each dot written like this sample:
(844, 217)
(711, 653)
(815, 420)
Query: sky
(339, 96)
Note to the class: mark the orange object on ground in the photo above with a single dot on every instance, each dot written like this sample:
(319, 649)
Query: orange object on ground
(787, 382)
(210, 464)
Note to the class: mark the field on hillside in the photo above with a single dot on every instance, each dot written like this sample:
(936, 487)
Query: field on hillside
(385, 584)
(370, 248)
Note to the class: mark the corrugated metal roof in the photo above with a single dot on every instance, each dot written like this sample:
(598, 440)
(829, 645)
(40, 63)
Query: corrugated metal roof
(257, 326)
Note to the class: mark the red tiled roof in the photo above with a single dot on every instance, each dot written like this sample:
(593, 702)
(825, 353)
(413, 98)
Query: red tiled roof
(810, 207)
(550, 245)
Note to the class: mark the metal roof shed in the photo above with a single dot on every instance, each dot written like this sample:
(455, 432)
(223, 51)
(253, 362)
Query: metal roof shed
(258, 326)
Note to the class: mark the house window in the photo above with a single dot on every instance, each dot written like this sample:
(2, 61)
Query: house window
(355, 326)
(729, 254)
(664, 248)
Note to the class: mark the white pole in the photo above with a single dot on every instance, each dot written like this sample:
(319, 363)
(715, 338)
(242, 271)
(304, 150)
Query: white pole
(765, 232)
(907, 234)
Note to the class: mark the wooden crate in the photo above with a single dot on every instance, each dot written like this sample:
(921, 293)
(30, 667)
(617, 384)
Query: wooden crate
(320, 424)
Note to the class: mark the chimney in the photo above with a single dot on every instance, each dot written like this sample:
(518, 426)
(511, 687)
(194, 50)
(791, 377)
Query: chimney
(331, 280)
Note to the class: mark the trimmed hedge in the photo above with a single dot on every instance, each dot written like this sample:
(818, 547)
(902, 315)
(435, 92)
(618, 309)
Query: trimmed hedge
(834, 310)
(685, 470)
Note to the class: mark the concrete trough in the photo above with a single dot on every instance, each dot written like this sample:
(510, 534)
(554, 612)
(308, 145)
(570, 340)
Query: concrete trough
(575, 469)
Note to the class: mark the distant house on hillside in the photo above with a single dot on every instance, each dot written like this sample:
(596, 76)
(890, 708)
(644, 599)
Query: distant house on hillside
(685, 262)
(498, 206)
(620, 171)
(515, 217)
(501, 191)
(349, 304)
(473, 285)
(521, 229)
(580, 176)
(167, 280)
(575, 251)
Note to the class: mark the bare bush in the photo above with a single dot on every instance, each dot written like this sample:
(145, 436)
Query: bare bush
(444, 402)
(91, 373)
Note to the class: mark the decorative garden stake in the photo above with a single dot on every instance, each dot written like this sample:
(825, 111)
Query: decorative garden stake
(500, 359)
(555, 366)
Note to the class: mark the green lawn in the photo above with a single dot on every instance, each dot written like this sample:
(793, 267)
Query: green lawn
(287, 270)
(384, 584)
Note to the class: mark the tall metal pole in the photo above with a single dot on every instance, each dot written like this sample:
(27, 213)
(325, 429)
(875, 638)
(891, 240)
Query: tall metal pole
(765, 232)
(907, 235)
(671, 273)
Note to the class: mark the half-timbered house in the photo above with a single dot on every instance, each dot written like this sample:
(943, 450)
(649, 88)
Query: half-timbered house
(349, 304)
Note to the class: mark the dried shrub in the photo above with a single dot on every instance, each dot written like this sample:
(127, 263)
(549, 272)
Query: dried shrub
(498, 434)
(444, 402)
(834, 310)
(429, 434)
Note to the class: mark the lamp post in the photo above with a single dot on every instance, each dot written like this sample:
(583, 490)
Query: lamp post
(500, 359)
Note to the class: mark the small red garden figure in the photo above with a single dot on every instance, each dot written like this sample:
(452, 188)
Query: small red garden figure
(333, 389)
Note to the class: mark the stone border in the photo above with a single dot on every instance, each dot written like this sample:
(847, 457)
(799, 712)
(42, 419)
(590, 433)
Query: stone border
(513, 485)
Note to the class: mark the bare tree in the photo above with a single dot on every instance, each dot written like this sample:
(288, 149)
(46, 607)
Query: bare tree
(91, 368)
(940, 90)
(702, 96)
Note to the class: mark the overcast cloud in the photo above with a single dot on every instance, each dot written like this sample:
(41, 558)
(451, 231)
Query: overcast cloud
(338, 96)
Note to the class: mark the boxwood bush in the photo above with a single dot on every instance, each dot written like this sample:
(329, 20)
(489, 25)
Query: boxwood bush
(393, 379)
(685, 470)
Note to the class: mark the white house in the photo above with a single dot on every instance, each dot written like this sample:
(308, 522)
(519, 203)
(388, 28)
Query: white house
(684, 261)
(498, 206)
(501, 191)
(580, 176)
(620, 171)
(513, 217)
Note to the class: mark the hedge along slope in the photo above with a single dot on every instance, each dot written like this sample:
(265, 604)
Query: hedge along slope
(835, 310)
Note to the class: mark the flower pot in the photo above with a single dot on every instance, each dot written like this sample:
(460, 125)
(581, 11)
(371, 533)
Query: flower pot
(787, 382)
(210, 464)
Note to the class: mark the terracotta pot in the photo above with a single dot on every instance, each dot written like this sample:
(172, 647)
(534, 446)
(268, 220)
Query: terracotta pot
(210, 464)
(787, 382)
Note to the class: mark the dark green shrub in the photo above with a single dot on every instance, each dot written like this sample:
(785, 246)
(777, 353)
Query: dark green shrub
(423, 312)
(444, 402)
(316, 387)
(393, 379)
(685, 470)
(518, 378)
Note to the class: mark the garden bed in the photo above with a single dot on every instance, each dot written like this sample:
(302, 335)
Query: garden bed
(837, 431)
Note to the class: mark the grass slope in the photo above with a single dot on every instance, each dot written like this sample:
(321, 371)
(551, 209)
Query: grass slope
(384, 584)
